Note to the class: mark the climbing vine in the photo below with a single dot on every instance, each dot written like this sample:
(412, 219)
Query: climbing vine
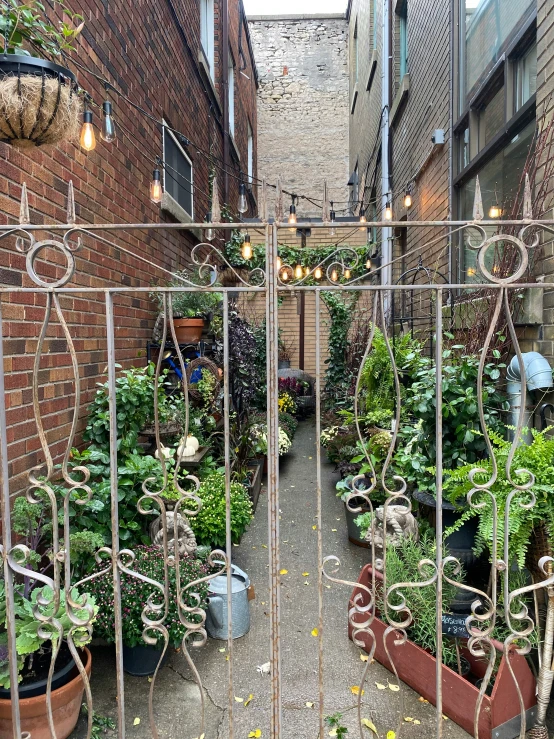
(341, 311)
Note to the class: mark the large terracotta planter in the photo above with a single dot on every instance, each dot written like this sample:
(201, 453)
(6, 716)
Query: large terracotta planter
(499, 715)
(188, 330)
(66, 704)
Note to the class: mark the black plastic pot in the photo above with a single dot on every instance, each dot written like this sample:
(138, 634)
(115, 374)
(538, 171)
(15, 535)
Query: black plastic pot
(142, 660)
(60, 678)
(283, 364)
(354, 533)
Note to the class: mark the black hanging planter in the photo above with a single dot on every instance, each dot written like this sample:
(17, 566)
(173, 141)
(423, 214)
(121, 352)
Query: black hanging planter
(39, 102)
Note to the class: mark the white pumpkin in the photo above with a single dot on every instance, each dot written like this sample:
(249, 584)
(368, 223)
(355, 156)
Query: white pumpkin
(166, 453)
(193, 442)
(187, 451)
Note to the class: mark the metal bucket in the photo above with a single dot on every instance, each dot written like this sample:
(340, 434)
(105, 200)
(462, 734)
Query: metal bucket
(216, 619)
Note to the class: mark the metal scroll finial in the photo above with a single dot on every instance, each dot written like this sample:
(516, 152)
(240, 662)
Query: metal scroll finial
(262, 211)
(71, 218)
(216, 209)
(279, 212)
(527, 202)
(478, 212)
(24, 217)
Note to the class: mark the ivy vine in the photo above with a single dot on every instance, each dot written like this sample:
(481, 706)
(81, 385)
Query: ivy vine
(341, 311)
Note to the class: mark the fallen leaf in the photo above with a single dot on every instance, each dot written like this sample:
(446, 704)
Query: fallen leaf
(264, 669)
(310, 457)
(445, 717)
(333, 529)
(248, 700)
(380, 686)
(264, 546)
(255, 734)
(370, 725)
(239, 700)
(355, 690)
(364, 657)
(391, 735)
(416, 722)
(315, 632)
(314, 527)
(150, 679)
(421, 699)
(408, 719)
(306, 582)
(394, 688)
(305, 574)
(222, 649)
(283, 572)
(309, 705)
(333, 732)
(136, 722)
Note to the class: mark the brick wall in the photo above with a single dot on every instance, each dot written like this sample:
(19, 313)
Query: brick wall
(302, 106)
(149, 50)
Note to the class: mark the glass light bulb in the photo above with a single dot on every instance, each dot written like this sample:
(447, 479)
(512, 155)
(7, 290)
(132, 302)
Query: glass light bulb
(368, 264)
(156, 187)
(292, 218)
(209, 234)
(306, 271)
(317, 273)
(334, 275)
(495, 211)
(87, 139)
(388, 212)
(246, 250)
(363, 219)
(108, 124)
(407, 200)
(242, 205)
(278, 263)
(332, 231)
(285, 275)
(347, 274)
(298, 272)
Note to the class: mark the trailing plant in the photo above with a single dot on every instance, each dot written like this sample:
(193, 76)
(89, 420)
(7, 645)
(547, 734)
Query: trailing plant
(27, 29)
(209, 523)
(337, 377)
(538, 459)
(206, 387)
(243, 361)
(135, 594)
(260, 363)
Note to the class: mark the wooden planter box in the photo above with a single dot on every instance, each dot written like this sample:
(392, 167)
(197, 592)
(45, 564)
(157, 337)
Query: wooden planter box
(256, 485)
(499, 717)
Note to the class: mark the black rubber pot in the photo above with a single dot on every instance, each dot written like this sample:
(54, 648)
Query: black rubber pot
(60, 678)
(354, 533)
(142, 660)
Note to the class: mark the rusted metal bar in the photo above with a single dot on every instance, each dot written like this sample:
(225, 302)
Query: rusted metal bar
(319, 511)
(438, 483)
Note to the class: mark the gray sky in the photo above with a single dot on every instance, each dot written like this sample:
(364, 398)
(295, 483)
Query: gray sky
(287, 7)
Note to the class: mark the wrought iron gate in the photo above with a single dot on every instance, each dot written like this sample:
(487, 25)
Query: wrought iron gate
(66, 241)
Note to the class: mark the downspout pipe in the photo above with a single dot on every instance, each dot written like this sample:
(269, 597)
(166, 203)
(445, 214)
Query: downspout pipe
(538, 376)
(386, 195)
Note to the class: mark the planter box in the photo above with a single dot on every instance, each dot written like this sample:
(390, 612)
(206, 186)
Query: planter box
(256, 485)
(499, 717)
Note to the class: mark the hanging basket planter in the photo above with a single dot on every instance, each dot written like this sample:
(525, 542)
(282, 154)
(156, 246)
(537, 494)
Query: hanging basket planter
(39, 102)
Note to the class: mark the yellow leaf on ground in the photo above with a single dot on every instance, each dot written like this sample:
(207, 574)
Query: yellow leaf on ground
(370, 725)
(314, 527)
(416, 722)
(355, 689)
(248, 700)
(421, 699)
(222, 649)
(333, 529)
(283, 572)
(391, 735)
(364, 657)
(333, 732)
(309, 705)
(136, 722)
(380, 686)
(239, 700)
(394, 688)
(315, 632)
(409, 719)
(306, 582)
(445, 717)
(255, 734)
(264, 546)
(305, 574)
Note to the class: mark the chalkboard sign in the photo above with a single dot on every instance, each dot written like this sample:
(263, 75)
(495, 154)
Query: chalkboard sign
(455, 625)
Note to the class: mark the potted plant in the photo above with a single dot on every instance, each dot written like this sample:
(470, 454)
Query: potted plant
(286, 353)
(39, 98)
(34, 657)
(140, 658)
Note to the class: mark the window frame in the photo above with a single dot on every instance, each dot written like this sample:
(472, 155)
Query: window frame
(231, 94)
(250, 155)
(166, 130)
(403, 40)
(207, 33)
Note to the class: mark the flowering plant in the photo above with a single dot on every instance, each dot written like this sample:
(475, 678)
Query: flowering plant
(289, 385)
(209, 523)
(287, 403)
(135, 593)
(259, 437)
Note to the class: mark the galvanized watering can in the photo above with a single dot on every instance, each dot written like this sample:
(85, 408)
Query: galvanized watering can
(216, 619)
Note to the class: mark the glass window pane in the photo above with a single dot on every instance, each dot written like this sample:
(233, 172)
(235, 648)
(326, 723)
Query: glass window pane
(178, 174)
(526, 77)
(492, 117)
(488, 25)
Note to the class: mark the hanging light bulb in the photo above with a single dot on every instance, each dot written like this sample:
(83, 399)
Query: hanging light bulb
(363, 219)
(334, 275)
(156, 187)
(87, 139)
(209, 232)
(246, 247)
(292, 215)
(495, 211)
(278, 264)
(388, 211)
(306, 271)
(368, 263)
(347, 274)
(108, 125)
(242, 206)
(408, 198)
(298, 272)
(317, 273)
(332, 230)
(285, 275)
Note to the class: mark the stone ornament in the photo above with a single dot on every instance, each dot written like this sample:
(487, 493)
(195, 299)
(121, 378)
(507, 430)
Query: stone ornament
(401, 524)
(185, 535)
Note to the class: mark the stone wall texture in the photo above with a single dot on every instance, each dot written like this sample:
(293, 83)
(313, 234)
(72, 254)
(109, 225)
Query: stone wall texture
(303, 106)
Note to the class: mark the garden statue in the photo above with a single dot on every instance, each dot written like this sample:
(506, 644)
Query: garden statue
(401, 524)
(185, 535)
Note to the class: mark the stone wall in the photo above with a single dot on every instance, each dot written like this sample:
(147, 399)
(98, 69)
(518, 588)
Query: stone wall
(303, 106)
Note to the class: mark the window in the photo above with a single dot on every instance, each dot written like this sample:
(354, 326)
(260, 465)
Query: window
(354, 183)
(463, 149)
(207, 33)
(374, 23)
(403, 40)
(250, 155)
(525, 77)
(356, 52)
(231, 94)
(177, 172)
(491, 118)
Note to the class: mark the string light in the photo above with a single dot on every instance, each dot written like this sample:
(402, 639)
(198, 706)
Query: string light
(209, 233)
(368, 263)
(332, 230)
(347, 274)
(108, 125)
(156, 187)
(307, 271)
(298, 272)
(495, 211)
(317, 273)
(87, 138)
(408, 198)
(242, 206)
(334, 275)
(292, 215)
(246, 247)
(278, 264)
(388, 211)
(285, 275)
(363, 219)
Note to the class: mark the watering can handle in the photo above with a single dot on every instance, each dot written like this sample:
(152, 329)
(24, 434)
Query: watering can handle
(216, 610)
(237, 572)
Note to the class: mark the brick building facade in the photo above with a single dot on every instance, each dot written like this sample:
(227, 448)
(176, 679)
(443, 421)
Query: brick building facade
(172, 61)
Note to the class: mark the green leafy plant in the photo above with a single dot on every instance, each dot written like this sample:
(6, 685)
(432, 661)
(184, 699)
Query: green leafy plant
(209, 523)
(148, 562)
(337, 377)
(258, 435)
(27, 625)
(538, 459)
(28, 29)
(206, 387)
(100, 724)
(334, 722)
(191, 304)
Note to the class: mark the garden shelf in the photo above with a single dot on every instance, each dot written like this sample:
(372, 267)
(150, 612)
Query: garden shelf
(500, 712)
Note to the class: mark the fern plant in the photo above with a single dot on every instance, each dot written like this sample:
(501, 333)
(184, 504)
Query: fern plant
(538, 459)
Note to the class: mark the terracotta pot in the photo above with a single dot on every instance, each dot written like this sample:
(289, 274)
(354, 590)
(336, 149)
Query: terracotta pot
(66, 704)
(188, 330)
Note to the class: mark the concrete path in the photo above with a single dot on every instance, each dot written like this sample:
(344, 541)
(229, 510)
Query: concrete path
(177, 698)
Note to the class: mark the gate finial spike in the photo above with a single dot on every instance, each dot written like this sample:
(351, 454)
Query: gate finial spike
(24, 217)
(71, 219)
(262, 214)
(216, 209)
(279, 213)
(478, 212)
(527, 202)
(326, 214)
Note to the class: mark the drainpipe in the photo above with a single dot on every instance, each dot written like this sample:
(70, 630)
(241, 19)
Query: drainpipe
(386, 242)
(538, 376)
(224, 51)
